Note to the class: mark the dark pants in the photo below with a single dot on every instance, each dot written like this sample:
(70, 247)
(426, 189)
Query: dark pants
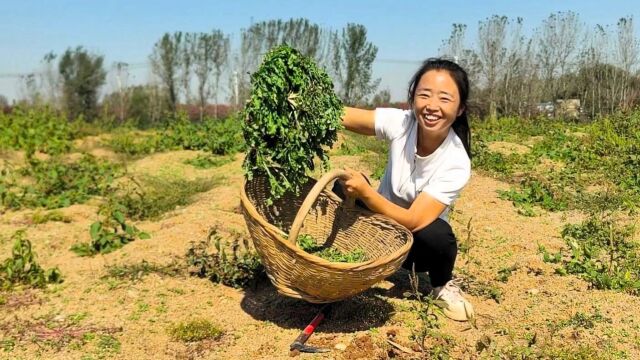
(434, 248)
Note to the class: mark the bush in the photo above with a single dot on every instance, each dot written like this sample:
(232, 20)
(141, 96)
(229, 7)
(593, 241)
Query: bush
(36, 130)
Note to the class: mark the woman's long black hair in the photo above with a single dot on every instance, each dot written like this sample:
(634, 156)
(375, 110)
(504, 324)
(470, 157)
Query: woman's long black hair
(459, 75)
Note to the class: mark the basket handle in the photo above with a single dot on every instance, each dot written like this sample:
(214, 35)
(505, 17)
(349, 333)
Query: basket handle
(311, 198)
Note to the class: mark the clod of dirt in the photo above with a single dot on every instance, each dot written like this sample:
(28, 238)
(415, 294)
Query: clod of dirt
(362, 347)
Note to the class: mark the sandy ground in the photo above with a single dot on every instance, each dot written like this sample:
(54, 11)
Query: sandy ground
(260, 324)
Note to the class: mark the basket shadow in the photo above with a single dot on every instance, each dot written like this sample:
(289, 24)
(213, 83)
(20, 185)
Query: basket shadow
(357, 313)
(399, 283)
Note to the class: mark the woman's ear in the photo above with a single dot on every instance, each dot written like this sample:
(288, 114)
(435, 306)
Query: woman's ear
(461, 110)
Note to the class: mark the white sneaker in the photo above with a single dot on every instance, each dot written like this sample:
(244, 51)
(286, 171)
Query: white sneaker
(453, 303)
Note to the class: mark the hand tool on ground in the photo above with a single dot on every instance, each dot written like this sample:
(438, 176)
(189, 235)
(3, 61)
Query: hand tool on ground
(299, 345)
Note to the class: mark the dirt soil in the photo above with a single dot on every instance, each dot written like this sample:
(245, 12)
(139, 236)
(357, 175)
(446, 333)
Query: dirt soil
(89, 316)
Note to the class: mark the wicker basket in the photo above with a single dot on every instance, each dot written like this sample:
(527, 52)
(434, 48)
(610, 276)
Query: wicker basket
(327, 218)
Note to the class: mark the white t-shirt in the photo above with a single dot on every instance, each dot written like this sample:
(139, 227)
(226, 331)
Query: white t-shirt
(442, 174)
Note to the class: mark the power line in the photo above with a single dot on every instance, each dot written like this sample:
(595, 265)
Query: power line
(146, 65)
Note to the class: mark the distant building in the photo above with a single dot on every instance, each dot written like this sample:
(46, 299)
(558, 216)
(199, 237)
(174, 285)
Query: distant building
(562, 108)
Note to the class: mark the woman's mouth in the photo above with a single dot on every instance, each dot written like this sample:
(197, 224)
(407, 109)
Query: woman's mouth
(431, 119)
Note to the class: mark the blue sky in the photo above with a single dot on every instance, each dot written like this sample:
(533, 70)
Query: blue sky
(408, 31)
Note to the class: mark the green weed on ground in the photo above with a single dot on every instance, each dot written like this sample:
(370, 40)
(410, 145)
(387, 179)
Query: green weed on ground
(22, 269)
(55, 183)
(238, 269)
(195, 330)
(149, 197)
(110, 232)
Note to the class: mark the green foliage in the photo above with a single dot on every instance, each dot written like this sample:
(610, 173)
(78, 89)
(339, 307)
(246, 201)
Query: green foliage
(585, 321)
(433, 343)
(209, 161)
(134, 272)
(238, 270)
(109, 233)
(22, 268)
(603, 152)
(505, 273)
(309, 244)
(36, 130)
(195, 330)
(154, 196)
(603, 253)
(40, 217)
(55, 183)
(132, 143)
(292, 115)
(82, 76)
(536, 192)
(217, 136)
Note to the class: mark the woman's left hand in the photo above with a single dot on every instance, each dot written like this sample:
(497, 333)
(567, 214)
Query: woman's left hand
(356, 185)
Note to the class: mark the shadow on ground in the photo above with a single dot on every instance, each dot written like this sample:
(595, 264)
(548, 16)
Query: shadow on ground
(358, 313)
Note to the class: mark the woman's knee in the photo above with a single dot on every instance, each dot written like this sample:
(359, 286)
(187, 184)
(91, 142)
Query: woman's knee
(437, 235)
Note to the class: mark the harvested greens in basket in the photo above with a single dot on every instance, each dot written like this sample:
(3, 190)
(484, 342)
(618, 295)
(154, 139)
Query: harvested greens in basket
(292, 116)
(308, 244)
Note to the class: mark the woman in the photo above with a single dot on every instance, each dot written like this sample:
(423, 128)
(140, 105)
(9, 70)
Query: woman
(429, 164)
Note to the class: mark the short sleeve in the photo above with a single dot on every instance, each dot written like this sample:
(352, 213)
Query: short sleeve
(391, 123)
(447, 184)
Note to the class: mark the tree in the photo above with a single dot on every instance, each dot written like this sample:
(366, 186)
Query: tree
(82, 76)
(210, 56)
(557, 43)
(382, 98)
(4, 102)
(353, 58)
(51, 79)
(628, 50)
(188, 52)
(165, 61)
(492, 54)
(308, 38)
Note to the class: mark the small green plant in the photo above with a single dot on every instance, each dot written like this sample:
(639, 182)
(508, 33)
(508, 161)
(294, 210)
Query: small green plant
(109, 233)
(22, 269)
(238, 270)
(431, 341)
(195, 330)
(505, 273)
(41, 217)
(307, 243)
(134, 272)
(209, 161)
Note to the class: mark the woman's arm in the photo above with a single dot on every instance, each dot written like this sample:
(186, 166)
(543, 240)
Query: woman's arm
(359, 121)
(423, 211)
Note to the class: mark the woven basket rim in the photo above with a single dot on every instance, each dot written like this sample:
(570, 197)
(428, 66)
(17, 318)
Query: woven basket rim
(316, 260)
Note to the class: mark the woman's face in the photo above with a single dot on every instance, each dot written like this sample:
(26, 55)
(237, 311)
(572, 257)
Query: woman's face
(436, 102)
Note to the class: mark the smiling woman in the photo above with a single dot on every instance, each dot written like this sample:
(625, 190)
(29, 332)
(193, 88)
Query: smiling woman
(429, 164)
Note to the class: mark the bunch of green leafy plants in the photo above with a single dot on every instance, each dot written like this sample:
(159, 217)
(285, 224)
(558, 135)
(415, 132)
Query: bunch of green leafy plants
(110, 232)
(238, 269)
(307, 243)
(209, 161)
(292, 116)
(34, 130)
(55, 182)
(603, 253)
(22, 268)
(216, 136)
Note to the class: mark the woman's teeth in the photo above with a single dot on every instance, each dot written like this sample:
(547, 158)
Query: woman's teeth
(431, 117)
